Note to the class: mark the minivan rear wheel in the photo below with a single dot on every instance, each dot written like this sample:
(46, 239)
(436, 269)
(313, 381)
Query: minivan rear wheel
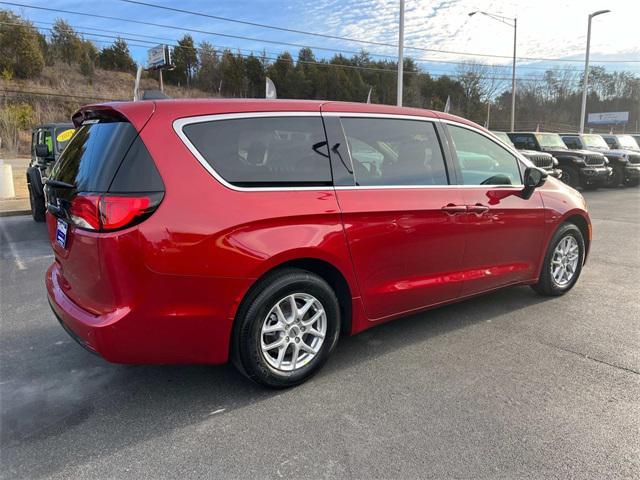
(563, 262)
(288, 327)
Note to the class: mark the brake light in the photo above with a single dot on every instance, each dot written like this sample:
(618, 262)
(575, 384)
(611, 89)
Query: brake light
(84, 211)
(118, 212)
(112, 212)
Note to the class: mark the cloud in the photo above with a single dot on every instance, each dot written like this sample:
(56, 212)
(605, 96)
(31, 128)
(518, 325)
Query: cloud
(546, 28)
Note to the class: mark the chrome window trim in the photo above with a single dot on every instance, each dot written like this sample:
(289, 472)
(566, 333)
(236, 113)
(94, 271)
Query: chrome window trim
(415, 187)
(180, 123)
(381, 115)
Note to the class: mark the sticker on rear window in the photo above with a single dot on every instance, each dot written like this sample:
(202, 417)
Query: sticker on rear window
(66, 135)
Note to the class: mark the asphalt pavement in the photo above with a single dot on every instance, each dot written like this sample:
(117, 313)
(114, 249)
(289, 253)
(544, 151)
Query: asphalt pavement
(508, 385)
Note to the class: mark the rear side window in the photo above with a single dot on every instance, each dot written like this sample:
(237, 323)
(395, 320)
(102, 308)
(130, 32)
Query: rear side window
(396, 152)
(93, 155)
(63, 135)
(269, 151)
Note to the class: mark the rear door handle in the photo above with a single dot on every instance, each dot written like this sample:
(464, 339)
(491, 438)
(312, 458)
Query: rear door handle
(452, 209)
(477, 208)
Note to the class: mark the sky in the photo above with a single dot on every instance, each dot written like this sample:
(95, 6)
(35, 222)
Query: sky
(549, 29)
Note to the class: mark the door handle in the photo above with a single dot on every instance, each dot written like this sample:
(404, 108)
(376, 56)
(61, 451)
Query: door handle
(452, 209)
(478, 208)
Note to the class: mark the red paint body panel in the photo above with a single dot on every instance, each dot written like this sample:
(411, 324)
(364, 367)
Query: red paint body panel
(404, 247)
(505, 241)
(167, 290)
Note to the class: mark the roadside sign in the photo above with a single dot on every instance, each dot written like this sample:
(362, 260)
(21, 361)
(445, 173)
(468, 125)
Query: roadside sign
(158, 57)
(608, 118)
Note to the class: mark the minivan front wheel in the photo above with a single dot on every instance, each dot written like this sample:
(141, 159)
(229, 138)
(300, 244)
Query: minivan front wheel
(563, 261)
(288, 327)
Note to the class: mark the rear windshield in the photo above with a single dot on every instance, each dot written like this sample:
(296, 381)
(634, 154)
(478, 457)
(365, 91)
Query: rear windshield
(93, 155)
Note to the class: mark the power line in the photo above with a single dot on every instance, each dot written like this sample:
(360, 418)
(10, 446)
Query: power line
(392, 57)
(53, 94)
(329, 64)
(324, 64)
(335, 37)
(276, 42)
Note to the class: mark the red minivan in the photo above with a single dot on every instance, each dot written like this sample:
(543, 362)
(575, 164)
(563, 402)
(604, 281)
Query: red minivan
(198, 231)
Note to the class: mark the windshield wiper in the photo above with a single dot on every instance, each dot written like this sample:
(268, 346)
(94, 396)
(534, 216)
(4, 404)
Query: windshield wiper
(59, 184)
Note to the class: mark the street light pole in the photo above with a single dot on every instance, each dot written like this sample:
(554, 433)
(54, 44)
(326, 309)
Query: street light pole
(400, 53)
(507, 21)
(513, 77)
(583, 110)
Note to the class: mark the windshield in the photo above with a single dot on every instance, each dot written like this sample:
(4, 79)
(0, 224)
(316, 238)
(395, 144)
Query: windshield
(595, 141)
(504, 137)
(627, 141)
(551, 140)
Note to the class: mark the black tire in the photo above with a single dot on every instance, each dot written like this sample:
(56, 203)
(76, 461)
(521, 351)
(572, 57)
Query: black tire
(37, 204)
(247, 352)
(547, 285)
(617, 177)
(570, 176)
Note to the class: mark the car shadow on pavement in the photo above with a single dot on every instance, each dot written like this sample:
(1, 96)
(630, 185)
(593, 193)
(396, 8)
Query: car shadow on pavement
(70, 399)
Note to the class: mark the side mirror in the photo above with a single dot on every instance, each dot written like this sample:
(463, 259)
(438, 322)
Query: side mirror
(534, 177)
(42, 150)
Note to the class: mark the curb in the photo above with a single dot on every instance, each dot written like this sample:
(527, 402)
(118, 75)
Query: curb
(12, 213)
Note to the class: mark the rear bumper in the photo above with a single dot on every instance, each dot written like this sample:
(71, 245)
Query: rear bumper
(155, 331)
(84, 327)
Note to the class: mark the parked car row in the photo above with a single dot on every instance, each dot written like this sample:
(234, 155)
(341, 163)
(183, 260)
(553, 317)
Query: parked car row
(581, 160)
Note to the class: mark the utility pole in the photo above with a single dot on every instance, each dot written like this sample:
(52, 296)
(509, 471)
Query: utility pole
(400, 53)
(583, 110)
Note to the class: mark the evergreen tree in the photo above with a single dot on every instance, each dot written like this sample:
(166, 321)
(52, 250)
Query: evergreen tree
(208, 76)
(117, 57)
(185, 59)
(65, 42)
(20, 48)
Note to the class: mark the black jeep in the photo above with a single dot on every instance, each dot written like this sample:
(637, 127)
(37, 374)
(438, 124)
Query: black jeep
(621, 141)
(625, 162)
(543, 160)
(580, 168)
(47, 143)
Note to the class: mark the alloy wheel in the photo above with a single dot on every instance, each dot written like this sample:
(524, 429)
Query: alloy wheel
(293, 332)
(564, 261)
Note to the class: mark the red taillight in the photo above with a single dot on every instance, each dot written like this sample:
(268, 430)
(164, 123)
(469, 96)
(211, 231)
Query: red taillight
(118, 212)
(84, 211)
(111, 212)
